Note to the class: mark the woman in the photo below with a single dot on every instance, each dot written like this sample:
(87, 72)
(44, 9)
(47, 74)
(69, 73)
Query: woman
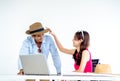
(81, 54)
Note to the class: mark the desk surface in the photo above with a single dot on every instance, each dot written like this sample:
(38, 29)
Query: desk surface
(80, 76)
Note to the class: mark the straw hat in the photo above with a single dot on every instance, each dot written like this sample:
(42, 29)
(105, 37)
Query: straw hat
(36, 28)
(103, 68)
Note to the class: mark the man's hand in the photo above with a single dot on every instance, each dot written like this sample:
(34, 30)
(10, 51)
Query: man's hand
(21, 72)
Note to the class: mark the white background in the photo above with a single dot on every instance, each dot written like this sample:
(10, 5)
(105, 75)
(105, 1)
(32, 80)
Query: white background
(101, 18)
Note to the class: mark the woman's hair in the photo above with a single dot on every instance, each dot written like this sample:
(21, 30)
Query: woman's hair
(84, 35)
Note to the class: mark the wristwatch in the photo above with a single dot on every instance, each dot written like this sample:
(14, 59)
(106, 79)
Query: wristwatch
(58, 74)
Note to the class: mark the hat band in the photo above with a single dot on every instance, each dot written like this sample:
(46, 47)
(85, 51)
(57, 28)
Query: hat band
(41, 29)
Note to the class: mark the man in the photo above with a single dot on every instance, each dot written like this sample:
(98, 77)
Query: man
(39, 43)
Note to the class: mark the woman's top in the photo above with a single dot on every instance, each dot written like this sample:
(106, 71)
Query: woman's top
(88, 67)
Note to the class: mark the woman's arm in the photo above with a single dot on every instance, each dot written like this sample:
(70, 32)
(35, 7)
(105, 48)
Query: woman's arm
(59, 45)
(61, 48)
(84, 60)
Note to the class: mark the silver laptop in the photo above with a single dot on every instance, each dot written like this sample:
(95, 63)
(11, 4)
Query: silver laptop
(35, 64)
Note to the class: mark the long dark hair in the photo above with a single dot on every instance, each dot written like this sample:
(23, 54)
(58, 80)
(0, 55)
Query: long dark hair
(84, 35)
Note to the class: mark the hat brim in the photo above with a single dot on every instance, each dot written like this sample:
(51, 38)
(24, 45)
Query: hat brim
(40, 32)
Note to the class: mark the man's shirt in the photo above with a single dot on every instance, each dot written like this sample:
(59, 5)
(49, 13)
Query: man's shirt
(30, 47)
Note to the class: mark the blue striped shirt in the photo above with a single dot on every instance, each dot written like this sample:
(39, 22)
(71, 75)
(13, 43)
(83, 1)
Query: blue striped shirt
(29, 47)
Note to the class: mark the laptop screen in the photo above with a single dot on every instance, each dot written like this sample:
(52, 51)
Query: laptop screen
(35, 64)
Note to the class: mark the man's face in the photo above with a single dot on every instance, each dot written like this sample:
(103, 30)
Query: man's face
(38, 37)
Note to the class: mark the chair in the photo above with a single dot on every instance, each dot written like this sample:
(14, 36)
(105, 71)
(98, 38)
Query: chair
(94, 63)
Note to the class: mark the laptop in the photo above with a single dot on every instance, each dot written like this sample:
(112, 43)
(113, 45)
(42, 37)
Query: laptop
(34, 64)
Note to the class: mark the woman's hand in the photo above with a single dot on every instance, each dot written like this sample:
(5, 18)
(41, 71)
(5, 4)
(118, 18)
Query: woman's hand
(50, 31)
(77, 71)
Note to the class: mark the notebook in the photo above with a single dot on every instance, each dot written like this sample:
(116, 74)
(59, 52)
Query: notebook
(34, 64)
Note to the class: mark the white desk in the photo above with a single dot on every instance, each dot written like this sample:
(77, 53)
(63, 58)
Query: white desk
(80, 76)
